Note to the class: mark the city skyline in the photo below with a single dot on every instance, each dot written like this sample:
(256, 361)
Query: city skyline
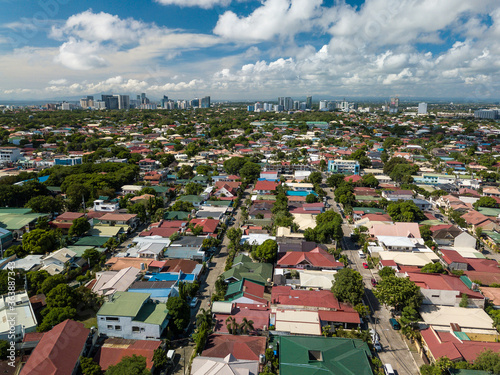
(248, 50)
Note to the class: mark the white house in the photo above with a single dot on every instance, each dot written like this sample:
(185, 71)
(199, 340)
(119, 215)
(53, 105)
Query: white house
(104, 206)
(132, 316)
(19, 307)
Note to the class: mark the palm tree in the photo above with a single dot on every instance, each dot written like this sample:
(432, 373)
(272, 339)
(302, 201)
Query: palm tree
(246, 326)
(232, 326)
(205, 319)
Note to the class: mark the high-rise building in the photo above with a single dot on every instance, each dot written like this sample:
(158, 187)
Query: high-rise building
(123, 101)
(309, 102)
(205, 102)
(422, 108)
(492, 114)
(87, 102)
(394, 105)
(110, 101)
(323, 105)
(164, 101)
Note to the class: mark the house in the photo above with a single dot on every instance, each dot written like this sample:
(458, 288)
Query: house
(65, 220)
(209, 226)
(59, 350)
(113, 350)
(102, 205)
(453, 260)
(132, 316)
(159, 291)
(315, 259)
(348, 167)
(17, 306)
(56, 262)
(478, 220)
(241, 347)
(220, 366)
(186, 247)
(265, 187)
(119, 263)
(453, 344)
(316, 279)
(244, 268)
(445, 290)
(409, 230)
(129, 220)
(109, 282)
(246, 292)
(396, 195)
(307, 355)
(195, 200)
(150, 247)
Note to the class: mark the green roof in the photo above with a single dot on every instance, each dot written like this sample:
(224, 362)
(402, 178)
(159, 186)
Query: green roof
(368, 210)
(160, 189)
(234, 288)
(176, 215)
(152, 313)
(191, 198)
(219, 203)
(259, 272)
(79, 250)
(488, 211)
(15, 211)
(105, 231)
(124, 304)
(92, 241)
(15, 221)
(240, 258)
(334, 355)
(431, 222)
(461, 336)
(367, 198)
(495, 236)
(55, 189)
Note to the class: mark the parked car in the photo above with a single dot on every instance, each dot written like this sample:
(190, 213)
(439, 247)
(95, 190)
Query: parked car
(374, 282)
(377, 346)
(365, 265)
(394, 324)
(193, 302)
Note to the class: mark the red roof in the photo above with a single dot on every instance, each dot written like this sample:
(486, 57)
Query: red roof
(317, 257)
(58, 350)
(339, 316)
(266, 185)
(285, 295)
(176, 265)
(208, 225)
(353, 178)
(450, 256)
(259, 317)
(241, 347)
(442, 282)
(162, 232)
(69, 216)
(114, 349)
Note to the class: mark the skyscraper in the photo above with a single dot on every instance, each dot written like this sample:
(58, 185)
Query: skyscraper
(205, 102)
(309, 102)
(110, 101)
(123, 101)
(422, 108)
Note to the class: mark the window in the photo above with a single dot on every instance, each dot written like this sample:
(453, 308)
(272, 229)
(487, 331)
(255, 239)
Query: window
(315, 355)
(135, 329)
(110, 327)
(118, 328)
(109, 318)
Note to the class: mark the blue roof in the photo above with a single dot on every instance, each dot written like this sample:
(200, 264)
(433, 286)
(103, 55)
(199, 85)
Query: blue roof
(300, 193)
(167, 276)
(155, 293)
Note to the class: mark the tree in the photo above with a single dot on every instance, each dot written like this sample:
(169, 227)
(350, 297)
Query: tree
(311, 198)
(79, 227)
(266, 252)
(185, 172)
(369, 180)
(348, 286)
(315, 178)
(464, 301)
(398, 292)
(139, 209)
(92, 256)
(51, 282)
(160, 359)
(405, 211)
(35, 280)
(134, 365)
(335, 180)
(193, 188)
(4, 349)
(386, 272)
(89, 366)
(182, 206)
(233, 165)
(246, 326)
(61, 296)
(250, 171)
(45, 204)
(232, 326)
(203, 170)
(433, 268)
(409, 316)
(54, 316)
(179, 312)
(488, 361)
(234, 234)
(39, 241)
(485, 202)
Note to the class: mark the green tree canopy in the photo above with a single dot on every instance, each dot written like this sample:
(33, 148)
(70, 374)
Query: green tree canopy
(179, 313)
(266, 252)
(405, 211)
(433, 268)
(79, 227)
(348, 286)
(485, 202)
(233, 165)
(134, 365)
(386, 272)
(316, 178)
(39, 241)
(488, 361)
(89, 366)
(61, 296)
(45, 204)
(250, 171)
(398, 292)
(193, 188)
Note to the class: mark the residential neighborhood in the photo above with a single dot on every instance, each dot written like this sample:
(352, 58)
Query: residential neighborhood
(225, 240)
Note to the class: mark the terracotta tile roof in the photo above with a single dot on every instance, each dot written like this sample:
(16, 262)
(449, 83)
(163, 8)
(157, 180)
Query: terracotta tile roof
(114, 349)
(58, 350)
(241, 347)
(316, 257)
(266, 185)
(285, 295)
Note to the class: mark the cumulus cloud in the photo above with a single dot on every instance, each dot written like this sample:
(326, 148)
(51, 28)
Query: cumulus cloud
(80, 55)
(273, 18)
(206, 4)
(60, 81)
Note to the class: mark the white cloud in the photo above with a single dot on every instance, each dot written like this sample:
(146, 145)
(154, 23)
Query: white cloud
(274, 18)
(61, 81)
(80, 55)
(206, 4)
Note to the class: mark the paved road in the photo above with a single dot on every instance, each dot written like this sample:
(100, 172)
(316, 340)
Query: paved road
(207, 288)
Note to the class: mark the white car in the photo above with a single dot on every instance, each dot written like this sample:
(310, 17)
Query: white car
(193, 302)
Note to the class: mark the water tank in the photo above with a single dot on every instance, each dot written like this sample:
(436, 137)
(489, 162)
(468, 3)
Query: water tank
(143, 266)
(262, 358)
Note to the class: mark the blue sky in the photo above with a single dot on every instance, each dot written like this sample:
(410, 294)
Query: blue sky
(245, 49)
